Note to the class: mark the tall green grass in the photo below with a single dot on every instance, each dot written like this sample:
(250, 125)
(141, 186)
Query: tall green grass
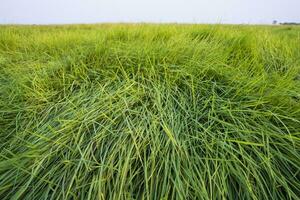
(149, 112)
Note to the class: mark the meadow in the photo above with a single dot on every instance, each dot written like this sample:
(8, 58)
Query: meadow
(148, 111)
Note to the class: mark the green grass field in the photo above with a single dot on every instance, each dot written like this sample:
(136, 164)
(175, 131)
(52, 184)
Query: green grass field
(149, 112)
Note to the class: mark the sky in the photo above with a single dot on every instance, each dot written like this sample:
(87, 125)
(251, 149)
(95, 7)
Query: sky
(155, 11)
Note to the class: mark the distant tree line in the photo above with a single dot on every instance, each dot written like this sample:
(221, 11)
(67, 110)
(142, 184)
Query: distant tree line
(285, 23)
(289, 23)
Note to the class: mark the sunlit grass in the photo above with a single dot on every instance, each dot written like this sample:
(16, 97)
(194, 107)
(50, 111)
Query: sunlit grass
(149, 112)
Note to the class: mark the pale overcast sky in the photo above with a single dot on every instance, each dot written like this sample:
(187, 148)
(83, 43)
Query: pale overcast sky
(181, 11)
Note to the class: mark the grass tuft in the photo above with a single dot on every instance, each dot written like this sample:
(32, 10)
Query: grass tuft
(149, 112)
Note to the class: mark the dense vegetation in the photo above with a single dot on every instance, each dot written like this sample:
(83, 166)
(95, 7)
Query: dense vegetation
(149, 112)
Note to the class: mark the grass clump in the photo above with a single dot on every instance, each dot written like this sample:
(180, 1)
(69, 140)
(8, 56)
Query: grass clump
(149, 112)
